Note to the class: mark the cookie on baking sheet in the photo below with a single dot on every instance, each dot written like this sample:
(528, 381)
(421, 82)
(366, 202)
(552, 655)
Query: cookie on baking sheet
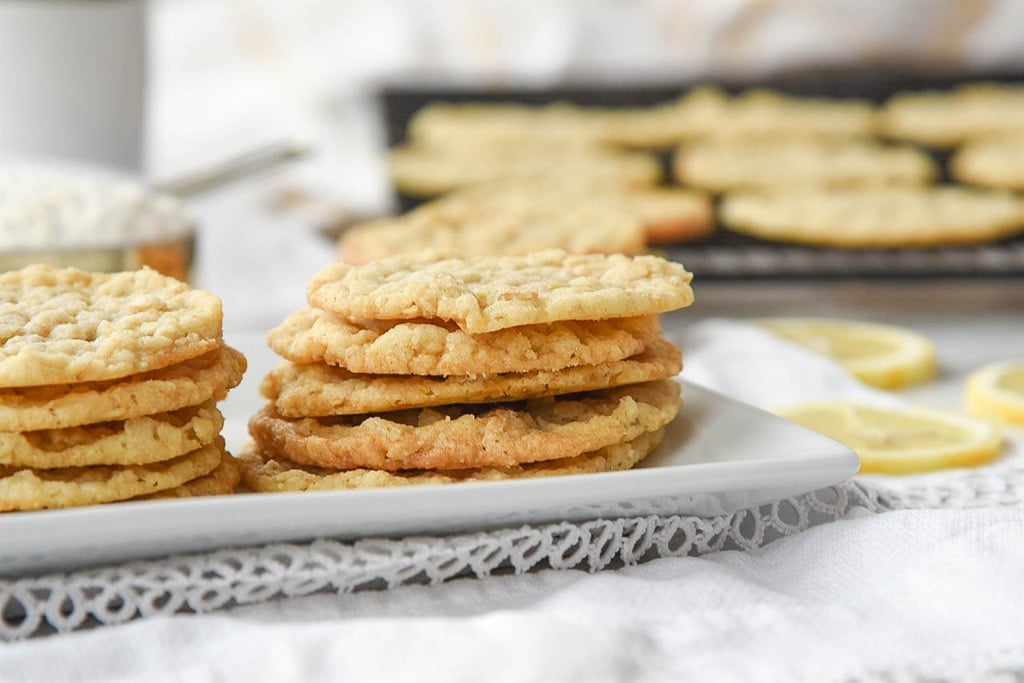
(666, 214)
(428, 171)
(720, 166)
(463, 436)
(190, 383)
(700, 112)
(433, 347)
(996, 162)
(267, 473)
(63, 326)
(318, 390)
(947, 118)
(500, 125)
(493, 293)
(766, 114)
(876, 217)
(663, 126)
(220, 482)
(134, 441)
(31, 489)
(671, 215)
(511, 229)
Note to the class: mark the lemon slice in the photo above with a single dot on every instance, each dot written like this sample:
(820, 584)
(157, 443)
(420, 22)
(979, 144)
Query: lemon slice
(899, 441)
(997, 391)
(880, 355)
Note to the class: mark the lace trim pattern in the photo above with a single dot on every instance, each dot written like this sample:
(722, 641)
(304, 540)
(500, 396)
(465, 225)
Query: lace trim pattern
(993, 486)
(204, 582)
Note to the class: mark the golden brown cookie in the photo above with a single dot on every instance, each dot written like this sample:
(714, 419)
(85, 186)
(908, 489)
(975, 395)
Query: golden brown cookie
(270, 474)
(996, 162)
(671, 215)
(663, 126)
(320, 390)
(190, 383)
(520, 229)
(666, 214)
(700, 112)
(719, 166)
(761, 114)
(434, 348)
(493, 293)
(876, 217)
(60, 326)
(461, 436)
(503, 125)
(135, 441)
(430, 171)
(27, 489)
(220, 482)
(947, 118)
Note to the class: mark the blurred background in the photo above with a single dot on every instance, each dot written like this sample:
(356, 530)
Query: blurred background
(181, 95)
(230, 75)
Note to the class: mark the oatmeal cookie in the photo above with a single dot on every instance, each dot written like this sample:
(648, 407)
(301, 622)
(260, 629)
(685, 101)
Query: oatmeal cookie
(266, 473)
(431, 347)
(462, 436)
(318, 390)
(60, 326)
(493, 293)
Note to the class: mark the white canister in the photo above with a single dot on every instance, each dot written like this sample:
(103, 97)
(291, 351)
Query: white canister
(72, 79)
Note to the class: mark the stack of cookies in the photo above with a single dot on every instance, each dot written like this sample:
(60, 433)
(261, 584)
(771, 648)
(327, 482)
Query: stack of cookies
(420, 370)
(108, 389)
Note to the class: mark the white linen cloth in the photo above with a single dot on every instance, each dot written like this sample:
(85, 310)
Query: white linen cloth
(927, 594)
(906, 595)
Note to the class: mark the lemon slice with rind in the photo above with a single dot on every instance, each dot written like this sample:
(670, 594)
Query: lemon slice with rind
(903, 440)
(882, 356)
(997, 391)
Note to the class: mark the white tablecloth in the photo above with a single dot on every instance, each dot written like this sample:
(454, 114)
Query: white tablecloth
(916, 594)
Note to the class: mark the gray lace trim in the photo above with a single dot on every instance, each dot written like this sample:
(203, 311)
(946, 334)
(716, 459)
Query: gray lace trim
(204, 582)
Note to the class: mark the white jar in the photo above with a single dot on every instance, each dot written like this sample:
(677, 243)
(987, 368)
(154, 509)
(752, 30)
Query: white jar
(72, 79)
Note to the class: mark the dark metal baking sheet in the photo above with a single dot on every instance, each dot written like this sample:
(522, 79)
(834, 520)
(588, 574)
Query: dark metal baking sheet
(725, 254)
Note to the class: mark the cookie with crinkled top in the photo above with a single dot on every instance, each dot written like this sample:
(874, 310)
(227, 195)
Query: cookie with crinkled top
(432, 347)
(718, 165)
(493, 293)
(267, 473)
(30, 489)
(318, 390)
(61, 326)
(760, 113)
(991, 162)
(519, 217)
(579, 229)
(426, 171)
(876, 217)
(498, 126)
(134, 441)
(665, 213)
(189, 383)
(946, 118)
(461, 436)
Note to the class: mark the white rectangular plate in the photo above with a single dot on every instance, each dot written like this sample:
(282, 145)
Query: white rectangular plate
(718, 456)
